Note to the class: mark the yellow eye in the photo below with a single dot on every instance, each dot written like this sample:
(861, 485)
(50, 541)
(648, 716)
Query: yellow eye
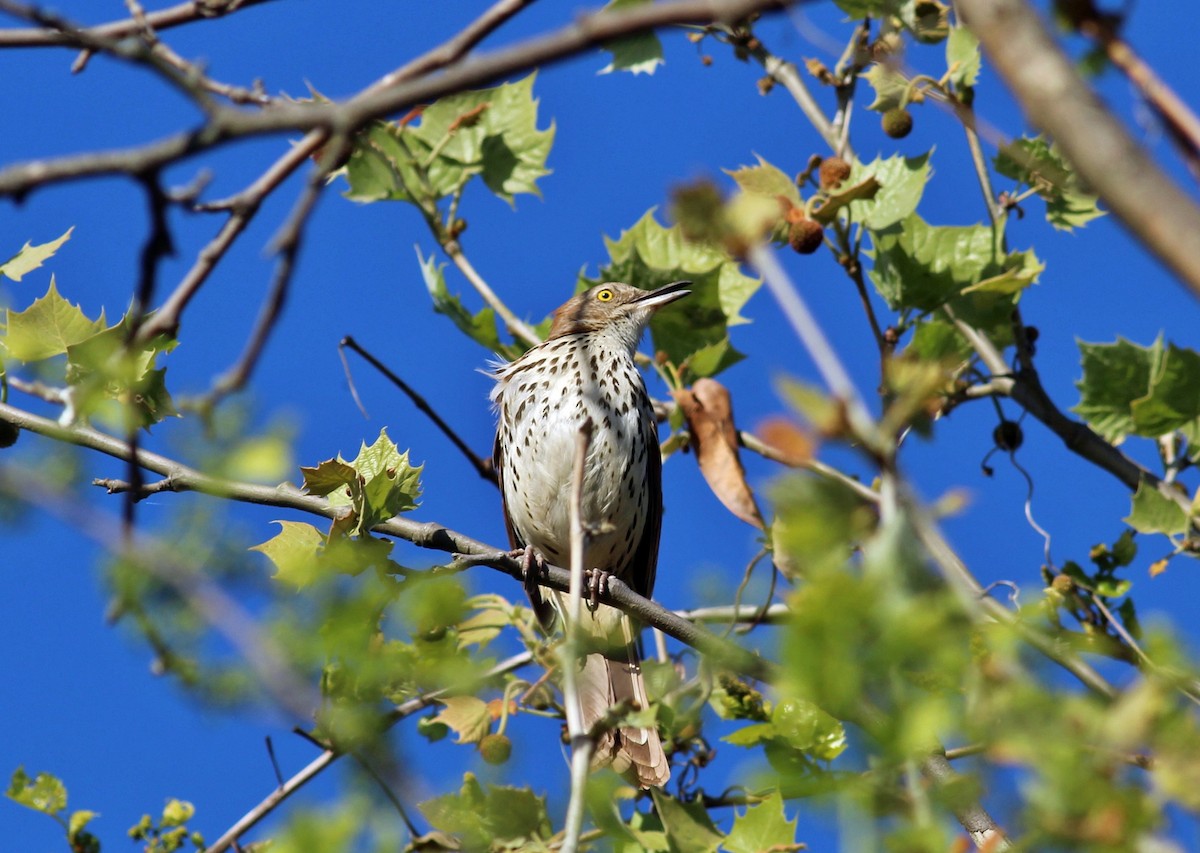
(604, 295)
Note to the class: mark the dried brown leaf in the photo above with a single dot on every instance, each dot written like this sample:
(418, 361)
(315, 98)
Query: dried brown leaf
(709, 412)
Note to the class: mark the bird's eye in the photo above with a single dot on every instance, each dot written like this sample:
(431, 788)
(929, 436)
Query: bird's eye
(604, 295)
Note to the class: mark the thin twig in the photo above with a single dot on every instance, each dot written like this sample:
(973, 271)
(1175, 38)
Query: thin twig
(582, 744)
(482, 466)
(269, 803)
(173, 16)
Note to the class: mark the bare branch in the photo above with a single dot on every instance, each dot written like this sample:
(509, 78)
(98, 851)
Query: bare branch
(174, 16)
(227, 123)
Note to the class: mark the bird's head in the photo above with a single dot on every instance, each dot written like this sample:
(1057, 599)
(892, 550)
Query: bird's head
(619, 310)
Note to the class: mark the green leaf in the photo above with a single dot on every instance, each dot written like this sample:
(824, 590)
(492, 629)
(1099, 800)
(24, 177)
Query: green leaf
(962, 57)
(1154, 512)
(31, 257)
(937, 340)
(688, 825)
(696, 328)
(868, 8)
(47, 327)
(1114, 376)
(296, 552)
(492, 614)
(482, 817)
(481, 327)
(751, 735)
(901, 183)
(1174, 396)
(489, 132)
(766, 180)
(891, 88)
(763, 826)
(922, 267)
(467, 716)
(805, 727)
(379, 484)
(1035, 163)
(45, 794)
(639, 54)
(384, 167)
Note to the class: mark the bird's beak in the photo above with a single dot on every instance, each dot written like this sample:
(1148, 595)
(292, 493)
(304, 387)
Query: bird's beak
(664, 295)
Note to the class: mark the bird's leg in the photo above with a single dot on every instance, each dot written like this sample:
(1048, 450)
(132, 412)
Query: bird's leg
(533, 569)
(597, 584)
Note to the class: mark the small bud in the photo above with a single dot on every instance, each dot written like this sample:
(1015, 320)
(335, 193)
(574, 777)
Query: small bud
(706, 60)
(805, 236)
(834, 170)
(897, 123)
(1062, 584)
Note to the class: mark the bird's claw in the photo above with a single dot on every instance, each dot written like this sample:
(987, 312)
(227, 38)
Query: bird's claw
(597, 585)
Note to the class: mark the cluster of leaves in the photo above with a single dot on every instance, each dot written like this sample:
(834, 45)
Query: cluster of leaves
(108, 377)
(47, 794)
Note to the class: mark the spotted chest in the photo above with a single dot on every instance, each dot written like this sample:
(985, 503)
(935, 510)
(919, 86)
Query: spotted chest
(543, 398)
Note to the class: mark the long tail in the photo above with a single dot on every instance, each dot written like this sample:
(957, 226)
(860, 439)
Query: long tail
(604, 682)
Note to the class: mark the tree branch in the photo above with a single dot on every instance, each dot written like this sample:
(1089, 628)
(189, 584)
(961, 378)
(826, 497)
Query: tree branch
(226, 123)
(1055, 97)
(174, 16)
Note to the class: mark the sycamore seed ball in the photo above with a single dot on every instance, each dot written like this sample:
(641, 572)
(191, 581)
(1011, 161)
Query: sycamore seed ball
(897, 123)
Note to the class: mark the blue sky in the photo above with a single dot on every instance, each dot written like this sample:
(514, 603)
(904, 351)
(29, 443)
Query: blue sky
(80, 700)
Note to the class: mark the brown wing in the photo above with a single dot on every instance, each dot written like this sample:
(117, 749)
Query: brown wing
(541, 608)
(645, 555)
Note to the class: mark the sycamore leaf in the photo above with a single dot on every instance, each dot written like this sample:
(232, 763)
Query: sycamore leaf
(488, 132)
(296, 553)
(962, 57)
(1128, 389)
(639, 54)
(709, 412)
(766, 180)
(1154, 512)
(694, 330)
(763, 826)
(117, 381)
(31, 257)
(901, 183)
(384, 167)
(46, 793)
(1035, 163)
(497, 815)
(920, 267)
(868, 8)
(492, 614)
(379, 484)
(47, 327)
(688, 825)
(467, 716)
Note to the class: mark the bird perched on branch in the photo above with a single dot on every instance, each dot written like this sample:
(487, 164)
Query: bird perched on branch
(583, 371)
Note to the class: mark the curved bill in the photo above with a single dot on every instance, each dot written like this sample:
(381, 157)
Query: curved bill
(665, 295)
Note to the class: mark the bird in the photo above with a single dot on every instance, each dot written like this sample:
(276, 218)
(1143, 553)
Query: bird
(585, 371)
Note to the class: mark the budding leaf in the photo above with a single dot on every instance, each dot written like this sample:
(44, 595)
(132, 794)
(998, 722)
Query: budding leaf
(962, 57)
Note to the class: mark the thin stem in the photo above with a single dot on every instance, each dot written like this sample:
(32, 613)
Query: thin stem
(582, 744)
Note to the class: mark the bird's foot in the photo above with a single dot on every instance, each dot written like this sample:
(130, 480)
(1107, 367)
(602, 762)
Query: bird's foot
(597, 585)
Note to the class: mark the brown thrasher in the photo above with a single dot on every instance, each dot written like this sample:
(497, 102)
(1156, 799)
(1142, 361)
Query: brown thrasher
(585, 370)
